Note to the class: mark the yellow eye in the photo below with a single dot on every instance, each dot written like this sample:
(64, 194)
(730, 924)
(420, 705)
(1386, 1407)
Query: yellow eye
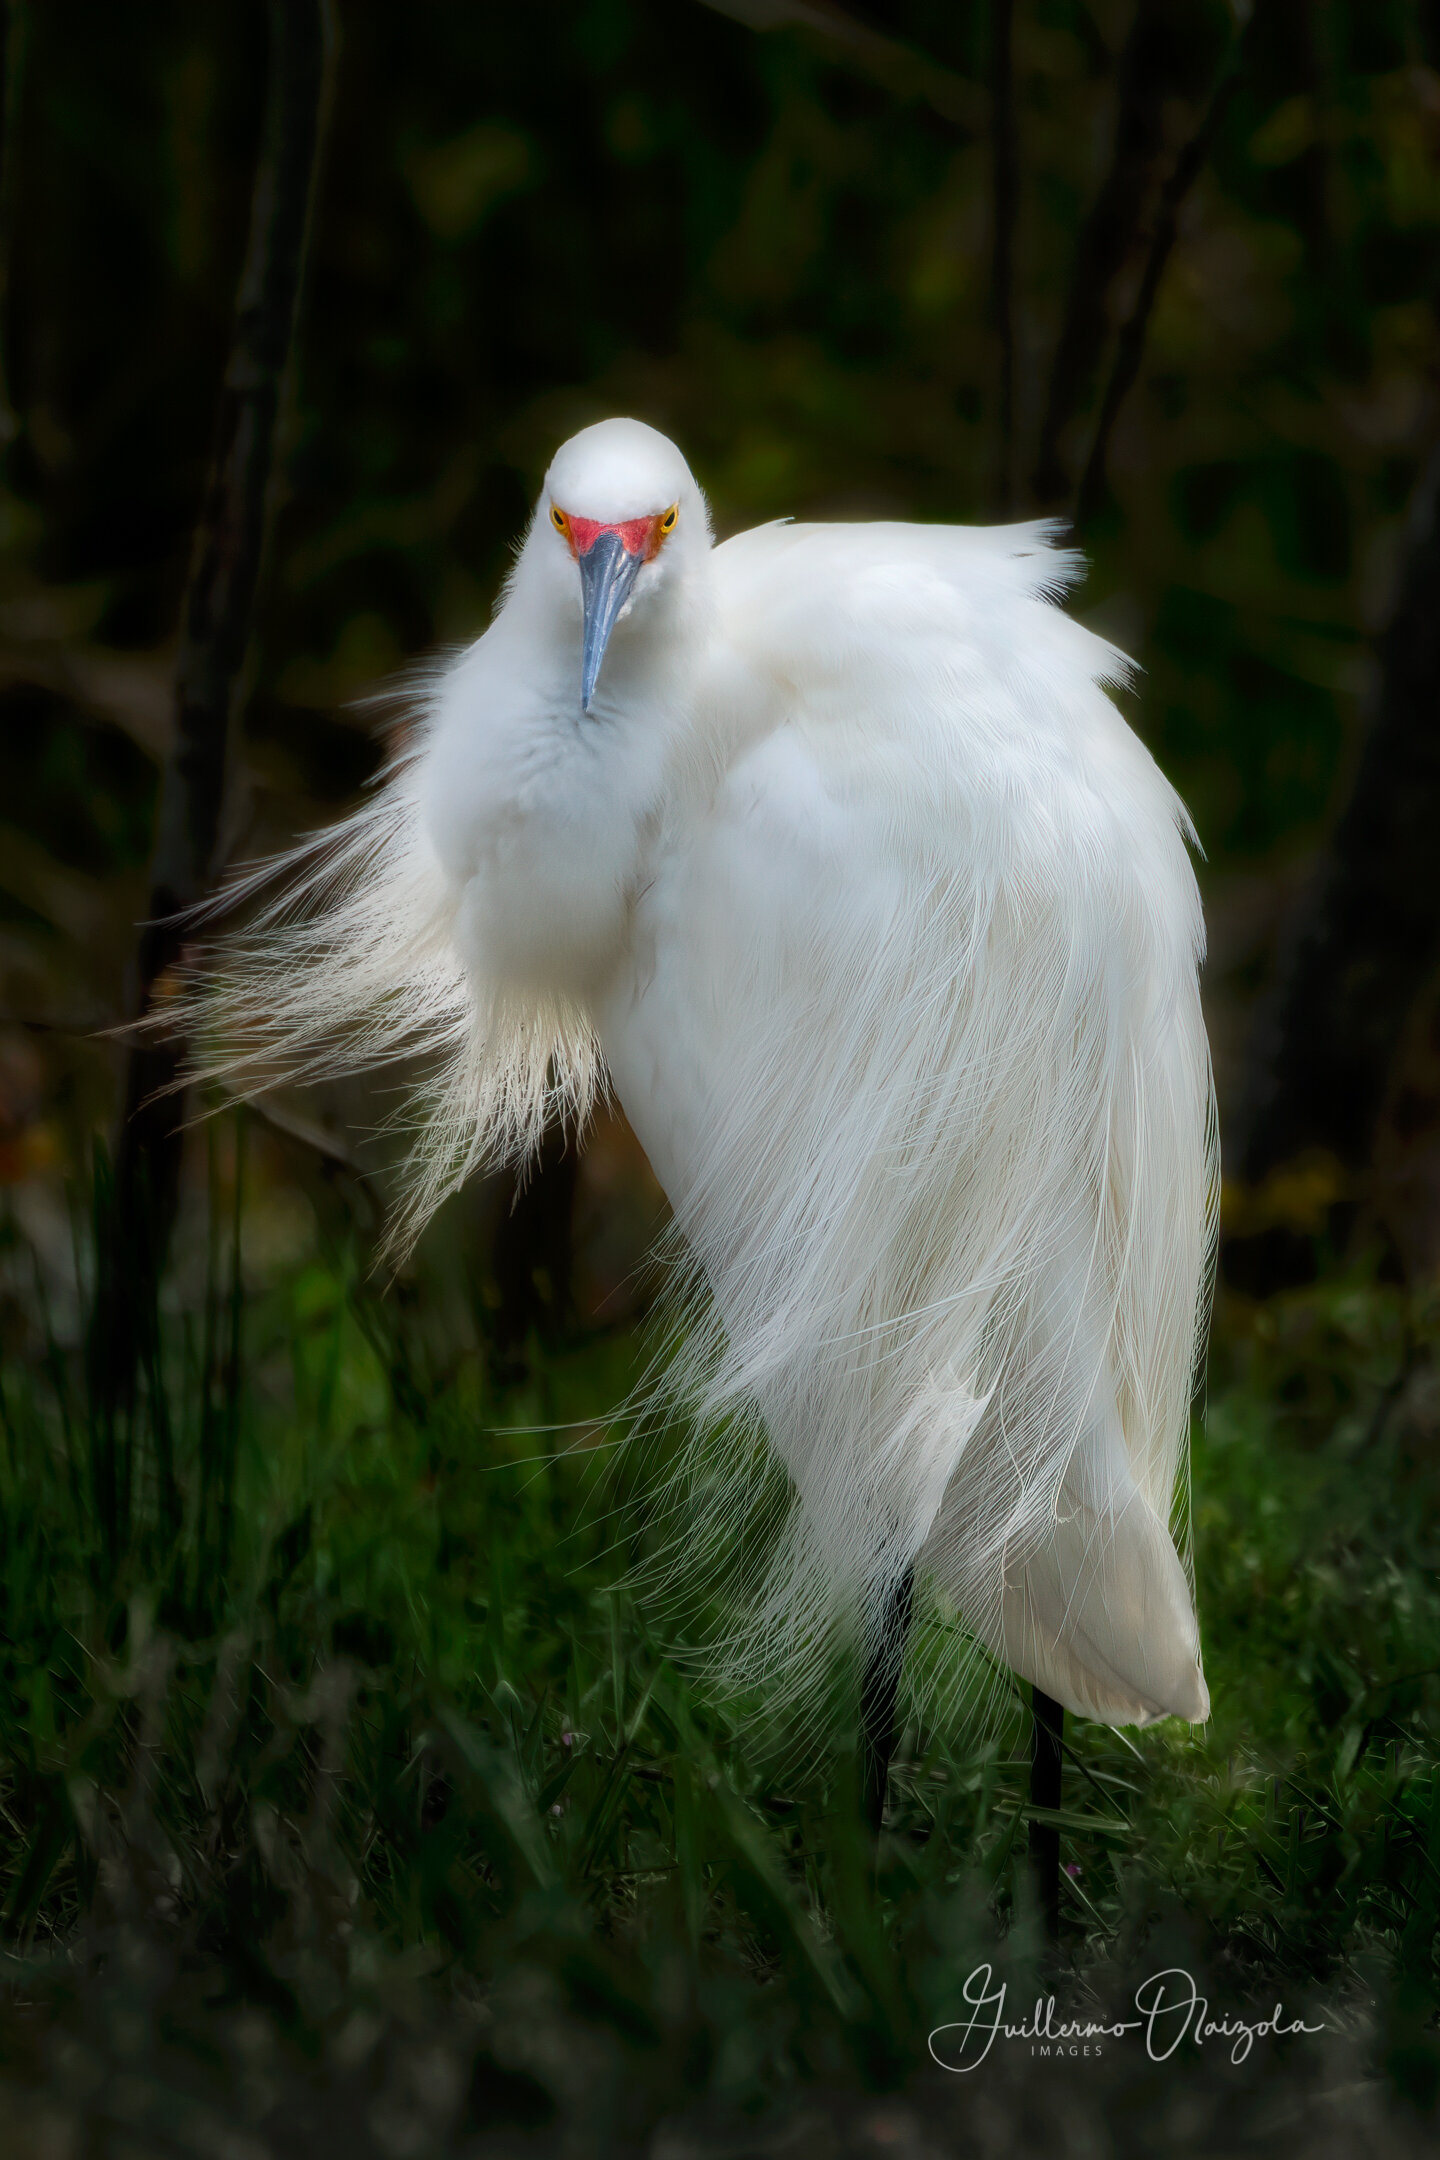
(667, 523)
(559, 520)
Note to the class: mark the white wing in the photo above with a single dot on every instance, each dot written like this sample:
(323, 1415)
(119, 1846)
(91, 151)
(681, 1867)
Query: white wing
(912, 1035)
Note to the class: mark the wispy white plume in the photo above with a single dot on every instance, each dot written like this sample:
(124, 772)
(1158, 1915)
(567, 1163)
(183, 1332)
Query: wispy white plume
(348, 961)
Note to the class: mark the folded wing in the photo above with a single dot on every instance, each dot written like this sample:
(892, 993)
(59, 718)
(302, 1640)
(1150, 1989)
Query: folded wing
(913, 1037)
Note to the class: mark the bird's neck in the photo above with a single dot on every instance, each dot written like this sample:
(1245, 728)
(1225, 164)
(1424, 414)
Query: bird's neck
(652, 662)
(545, 817)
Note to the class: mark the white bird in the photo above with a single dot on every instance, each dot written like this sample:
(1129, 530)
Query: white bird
(828, 848)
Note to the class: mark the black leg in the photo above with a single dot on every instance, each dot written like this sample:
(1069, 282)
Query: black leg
(1049, 1726)
(878, 1694)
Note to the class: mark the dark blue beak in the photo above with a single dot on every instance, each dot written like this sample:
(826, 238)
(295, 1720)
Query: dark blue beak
(607, 572)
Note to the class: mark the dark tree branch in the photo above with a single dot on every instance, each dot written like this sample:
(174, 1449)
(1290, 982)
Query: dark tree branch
(214, 639)
(1130, 347)
(1004, 196)
(1145, 76)
(899, 68)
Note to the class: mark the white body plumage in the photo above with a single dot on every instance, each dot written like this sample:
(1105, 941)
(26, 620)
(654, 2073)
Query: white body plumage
(883, 922)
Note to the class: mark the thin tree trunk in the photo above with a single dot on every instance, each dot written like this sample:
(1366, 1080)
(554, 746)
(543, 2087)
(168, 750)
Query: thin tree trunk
(1004, 200)
(214, 639)
(1370, 936)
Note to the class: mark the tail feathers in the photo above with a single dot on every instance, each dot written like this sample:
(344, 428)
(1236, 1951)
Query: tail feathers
(1101, 1617)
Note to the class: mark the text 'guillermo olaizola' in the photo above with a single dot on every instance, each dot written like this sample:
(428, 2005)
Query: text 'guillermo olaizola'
(1171, 2008)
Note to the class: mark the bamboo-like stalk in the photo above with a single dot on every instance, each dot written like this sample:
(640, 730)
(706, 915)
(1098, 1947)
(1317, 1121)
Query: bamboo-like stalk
(215, 635)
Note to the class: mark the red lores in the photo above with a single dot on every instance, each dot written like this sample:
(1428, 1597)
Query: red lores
(639, 536)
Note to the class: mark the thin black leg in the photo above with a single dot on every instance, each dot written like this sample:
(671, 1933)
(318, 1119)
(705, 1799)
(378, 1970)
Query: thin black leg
(1048, 1730)
(879, 1692)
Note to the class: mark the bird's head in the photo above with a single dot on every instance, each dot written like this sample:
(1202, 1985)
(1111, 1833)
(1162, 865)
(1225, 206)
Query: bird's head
(621, 515)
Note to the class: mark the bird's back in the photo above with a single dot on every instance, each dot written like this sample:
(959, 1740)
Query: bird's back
(911, 1030)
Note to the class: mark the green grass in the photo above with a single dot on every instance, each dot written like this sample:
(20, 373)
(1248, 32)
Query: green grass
(344, 1784)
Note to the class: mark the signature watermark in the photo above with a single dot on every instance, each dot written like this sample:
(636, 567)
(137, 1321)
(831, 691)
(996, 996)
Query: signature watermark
(1171, 2006)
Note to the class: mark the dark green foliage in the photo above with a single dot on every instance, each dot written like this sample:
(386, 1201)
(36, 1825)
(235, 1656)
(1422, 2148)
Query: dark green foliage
(361, 1739)
(771, 245)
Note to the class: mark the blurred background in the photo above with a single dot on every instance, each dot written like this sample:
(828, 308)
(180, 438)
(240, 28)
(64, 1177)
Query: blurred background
(295, 304)
(857, 268)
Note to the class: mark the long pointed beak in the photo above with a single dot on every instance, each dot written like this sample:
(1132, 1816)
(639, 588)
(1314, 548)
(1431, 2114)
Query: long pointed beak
(607, 572)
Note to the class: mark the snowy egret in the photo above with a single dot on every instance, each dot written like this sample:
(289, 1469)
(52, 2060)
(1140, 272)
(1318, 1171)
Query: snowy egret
(828, 847)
